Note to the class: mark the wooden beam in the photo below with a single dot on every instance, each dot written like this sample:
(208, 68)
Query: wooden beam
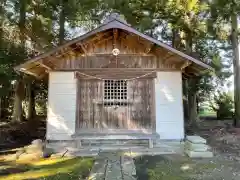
(191, 71)
(185, 64)
(83, 48)
(53, 59)
(44, 65)
(102, 40)
(122, 55)
(150, 48)
(167, 57)
(195, 68)
(159, 51)
(133, 43)
(29, 72)
(118, 69)
(186, 74)
(98, 37)
(123, 34)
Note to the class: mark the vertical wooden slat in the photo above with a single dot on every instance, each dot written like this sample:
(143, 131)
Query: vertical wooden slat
(153, 106)
(77, 107)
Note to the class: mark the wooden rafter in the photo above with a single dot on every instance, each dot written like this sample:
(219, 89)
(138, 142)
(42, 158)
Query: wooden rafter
(150, 48)
(191, 71)
(98, 37)
(83, 47)
(106, 29)
(115, 37)
(102, 40)
(166, 57)
(147, 44)
(187, 75)
(29, 72)
(133, 43)
(44, 65)
(76, 49)
(53, 59)
(123, 34)
(193, 67)
(185, 64)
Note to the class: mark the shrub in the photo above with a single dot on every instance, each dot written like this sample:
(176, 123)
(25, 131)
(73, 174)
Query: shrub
(223, 105)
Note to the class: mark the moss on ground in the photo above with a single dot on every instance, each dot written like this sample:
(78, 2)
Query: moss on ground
(170, 168)
(44, 169)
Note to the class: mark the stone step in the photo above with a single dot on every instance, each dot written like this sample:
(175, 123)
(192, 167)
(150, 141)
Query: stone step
(196, 147)
(196, 154)
(106, 148)
(128, 166)
(116, 143)
(113, 166)
(196, 139)
(129, 151)
(176, 146)
(113, 140)
(98, 170)
(113, 170)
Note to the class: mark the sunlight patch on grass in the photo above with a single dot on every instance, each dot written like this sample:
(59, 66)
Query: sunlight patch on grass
(185, 167)
(131, 154)
(11, 150)
(47, 169)
(41, 173)
(28, 175)
(8, 157)
(4, 167)
(49, 161)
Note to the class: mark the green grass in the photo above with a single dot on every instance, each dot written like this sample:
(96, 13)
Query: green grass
(44, 169)
(207, 113)
(174, 168)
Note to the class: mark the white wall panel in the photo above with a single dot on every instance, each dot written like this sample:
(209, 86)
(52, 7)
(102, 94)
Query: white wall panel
(61, 105)
(169, 105)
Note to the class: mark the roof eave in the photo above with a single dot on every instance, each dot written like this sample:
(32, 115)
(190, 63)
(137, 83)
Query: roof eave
(120, 25)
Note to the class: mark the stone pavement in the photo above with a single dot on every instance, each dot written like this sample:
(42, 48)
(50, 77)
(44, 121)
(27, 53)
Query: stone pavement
(113, 166)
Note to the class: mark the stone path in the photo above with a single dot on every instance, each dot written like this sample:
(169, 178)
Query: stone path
(113, 166)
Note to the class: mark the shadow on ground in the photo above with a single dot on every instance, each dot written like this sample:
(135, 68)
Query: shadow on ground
(170, 167)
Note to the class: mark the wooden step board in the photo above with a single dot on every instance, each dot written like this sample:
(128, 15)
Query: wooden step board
(149, 137)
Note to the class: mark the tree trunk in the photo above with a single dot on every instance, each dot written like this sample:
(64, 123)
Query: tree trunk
(192, 90)
(192, 103)
(31, 101)
(62, 20)
(17, 109)
(22, 21)
(185, 101)
(236, 63)
(198, 106)
(19, 87)
(175, 38)
(4, 106)
(2, 14)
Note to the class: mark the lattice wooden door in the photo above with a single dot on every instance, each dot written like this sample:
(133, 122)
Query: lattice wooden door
(115, 104)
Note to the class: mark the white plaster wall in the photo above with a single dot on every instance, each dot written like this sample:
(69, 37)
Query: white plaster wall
(169, 105)
(61, 105)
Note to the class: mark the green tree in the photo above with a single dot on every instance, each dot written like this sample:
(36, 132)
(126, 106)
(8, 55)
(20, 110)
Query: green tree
(19, 85)
(222, 12)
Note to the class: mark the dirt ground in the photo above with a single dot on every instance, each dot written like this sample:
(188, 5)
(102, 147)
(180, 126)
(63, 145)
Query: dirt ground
(225, 165)
(225, 143)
